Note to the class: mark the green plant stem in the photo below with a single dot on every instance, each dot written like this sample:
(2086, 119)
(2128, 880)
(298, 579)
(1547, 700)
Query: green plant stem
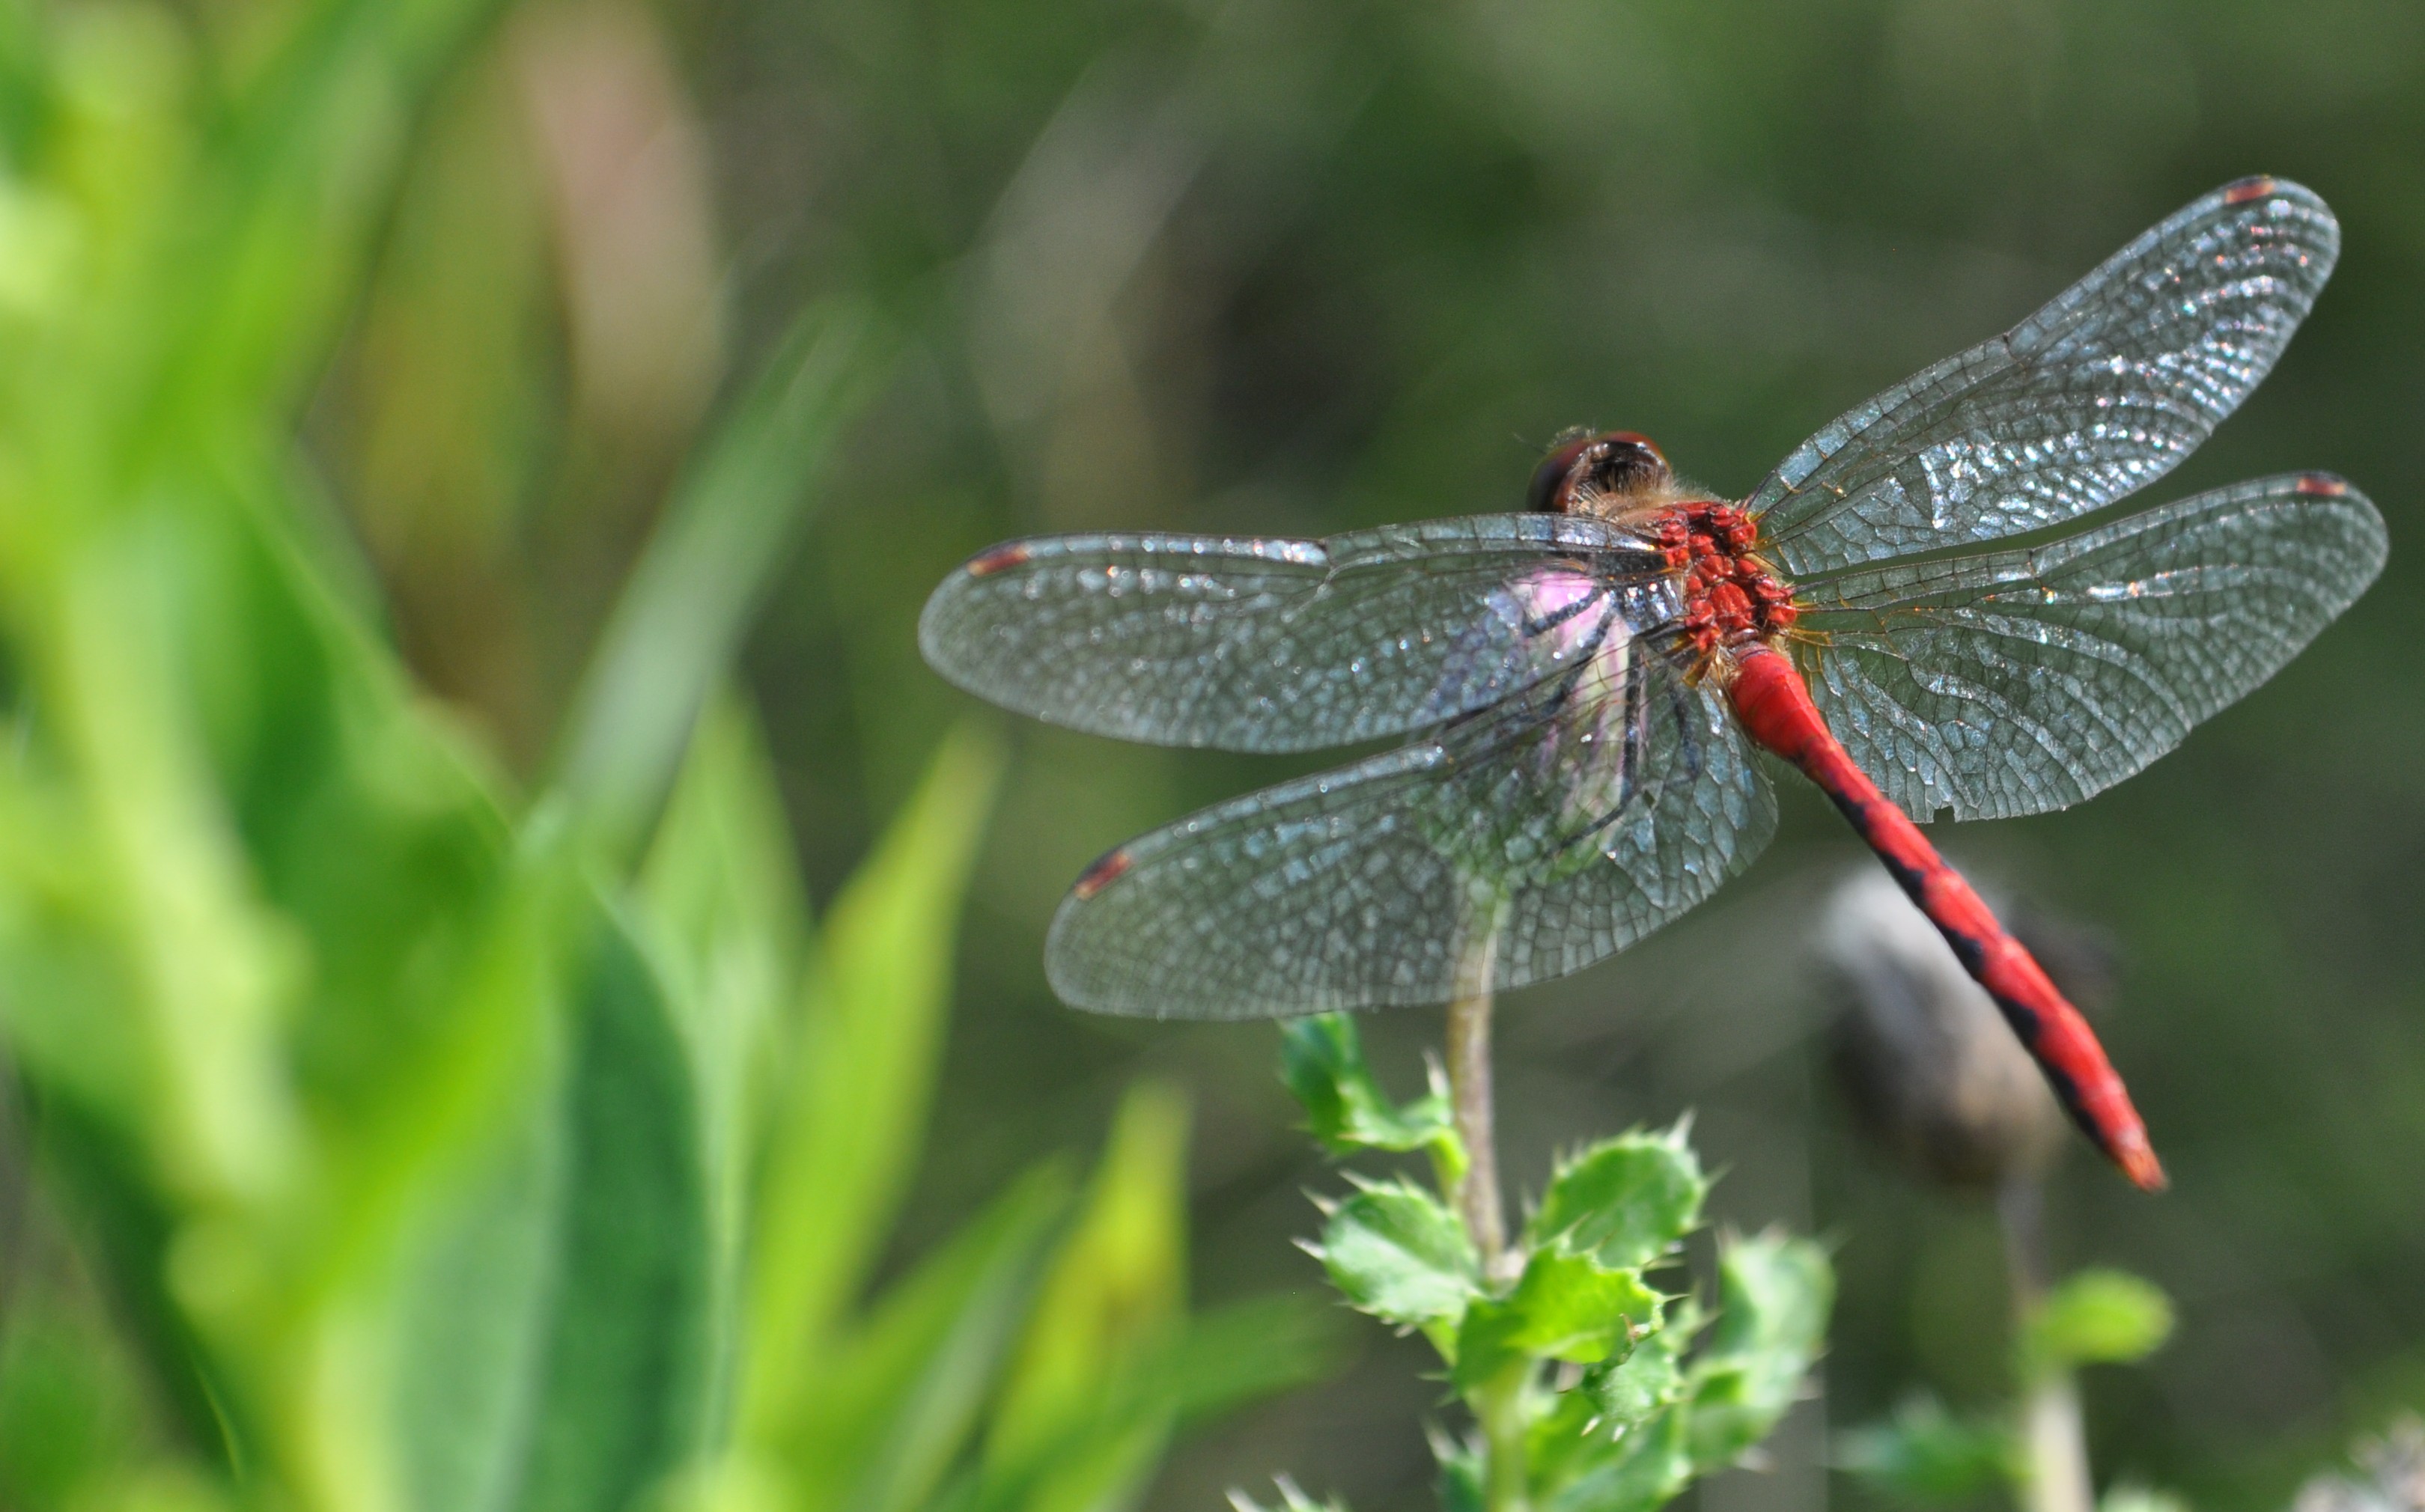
(1468, 1079)
(1499, 1406)
(2052, 1434)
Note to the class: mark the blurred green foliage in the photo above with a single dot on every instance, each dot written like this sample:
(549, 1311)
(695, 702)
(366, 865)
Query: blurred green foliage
(411, 1137)
(1638, 1422)
(1924, 1455)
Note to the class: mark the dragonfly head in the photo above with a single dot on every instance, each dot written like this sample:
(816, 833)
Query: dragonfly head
(1603, 473)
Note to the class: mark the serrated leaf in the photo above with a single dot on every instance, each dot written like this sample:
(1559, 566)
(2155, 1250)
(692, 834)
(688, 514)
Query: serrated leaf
(1321, 1059)
(1639, 1471)
(1292, 1500)
(2096, 1317)
(1627, 1200)
(1459, 1484)
(1774, 1296)
(1924, 1453)
(1624, 1392)
(1565, 1306)
(1395, 1251)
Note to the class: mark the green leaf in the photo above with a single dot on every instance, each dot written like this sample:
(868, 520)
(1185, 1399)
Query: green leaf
(1598, 1423)
(1115, 1291)
(2096, 1317)
(1252, 1349)
(1393, 1250)
(1774, 1296)
(1462, 1468)
(1625, 1392)
(1090, 1402)
(907, 1394)
(1627, 1200)
(1565, 1306)
(556, 1340)
(728, 916)
(853, 1102)
(1639, 1471)
(1926, 1454)
(70, 1408)
(699, 580)
(1321, 1059)
(1292, 1500)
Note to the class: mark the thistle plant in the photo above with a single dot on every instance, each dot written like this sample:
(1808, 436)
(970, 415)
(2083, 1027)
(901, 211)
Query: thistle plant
(1595, 1378)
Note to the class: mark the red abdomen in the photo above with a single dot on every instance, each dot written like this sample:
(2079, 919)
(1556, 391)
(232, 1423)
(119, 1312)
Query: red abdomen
(1775, 706)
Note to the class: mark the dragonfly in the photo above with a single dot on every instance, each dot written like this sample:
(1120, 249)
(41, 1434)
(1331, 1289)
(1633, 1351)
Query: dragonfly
(1913, 609)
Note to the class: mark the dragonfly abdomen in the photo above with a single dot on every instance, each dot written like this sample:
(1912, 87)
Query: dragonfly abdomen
(1775, 706)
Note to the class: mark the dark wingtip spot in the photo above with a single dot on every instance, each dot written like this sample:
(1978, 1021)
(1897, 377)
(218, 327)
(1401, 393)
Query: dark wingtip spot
(997, 559)
(2240, 191)
(2319, 485)
(1100, 875)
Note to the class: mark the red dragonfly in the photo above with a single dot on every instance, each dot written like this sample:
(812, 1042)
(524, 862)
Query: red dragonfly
(1583, 683)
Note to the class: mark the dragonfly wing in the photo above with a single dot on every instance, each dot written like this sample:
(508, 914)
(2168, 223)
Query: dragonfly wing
(1264, 644)
(2020, 681)
(1584, 816)
(2099, 393)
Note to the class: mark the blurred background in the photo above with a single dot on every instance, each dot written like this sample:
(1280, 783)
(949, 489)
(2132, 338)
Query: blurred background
(1298, 266)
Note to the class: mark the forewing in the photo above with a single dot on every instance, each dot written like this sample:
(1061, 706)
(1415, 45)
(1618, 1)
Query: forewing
(2099, 393)
(2019, 681)
(1265, 645)
(1583, 816)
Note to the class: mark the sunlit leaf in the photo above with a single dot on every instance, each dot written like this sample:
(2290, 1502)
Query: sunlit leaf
(1321, 1059)
(1638, 1471)
(1627, 1201)
(727, 913)
(2096, 1317)
(907, 1395)
(1565, 1306)
(1774, 1297)
(1625, 1392)
(863, 1065)
(1395, 1251)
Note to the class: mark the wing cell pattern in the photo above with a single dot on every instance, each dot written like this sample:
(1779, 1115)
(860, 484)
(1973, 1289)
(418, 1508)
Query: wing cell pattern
(2100, 392)
(1272, 645)
(2021, 681)
(1583, 817)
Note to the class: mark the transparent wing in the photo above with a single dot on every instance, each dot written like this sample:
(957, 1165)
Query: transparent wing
(2015, 682)
(1250, 645)
(2099, 393)
(1591, 812)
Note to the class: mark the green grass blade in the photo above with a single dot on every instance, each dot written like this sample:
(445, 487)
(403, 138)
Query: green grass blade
(683, 614)
(850, 1114)
(1114, 1300)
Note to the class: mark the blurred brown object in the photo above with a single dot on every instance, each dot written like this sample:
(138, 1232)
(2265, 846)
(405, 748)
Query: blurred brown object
(2394, 1478)
(1929, 1065)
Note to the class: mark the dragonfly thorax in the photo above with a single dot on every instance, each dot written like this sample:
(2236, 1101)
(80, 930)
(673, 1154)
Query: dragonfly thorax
(1732, 596)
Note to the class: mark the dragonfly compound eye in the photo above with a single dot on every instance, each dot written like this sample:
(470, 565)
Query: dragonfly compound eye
(1618, 464)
